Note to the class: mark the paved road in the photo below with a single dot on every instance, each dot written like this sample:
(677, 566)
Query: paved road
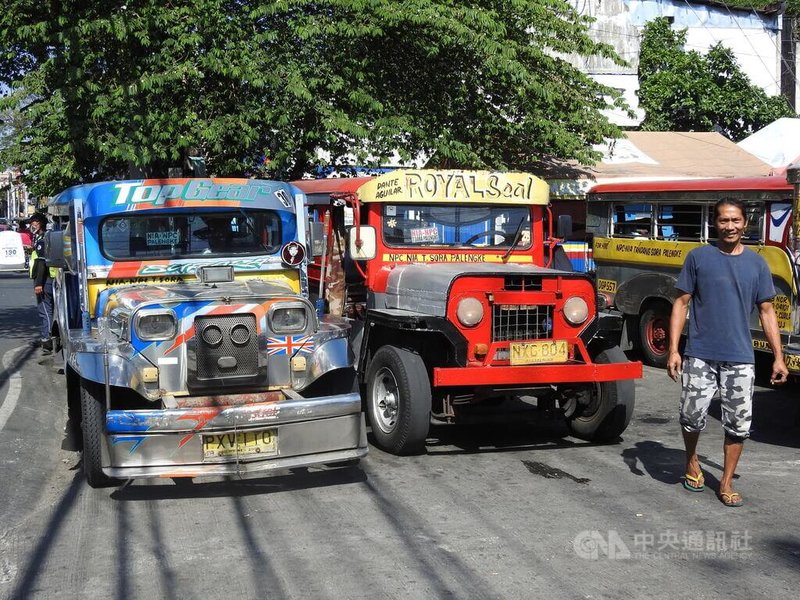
(491, 512)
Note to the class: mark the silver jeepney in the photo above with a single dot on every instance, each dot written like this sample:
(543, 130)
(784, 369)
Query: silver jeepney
(203, 369)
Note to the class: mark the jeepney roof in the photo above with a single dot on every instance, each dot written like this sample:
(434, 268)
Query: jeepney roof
(444, 186)
(143, 194)
(721, 184)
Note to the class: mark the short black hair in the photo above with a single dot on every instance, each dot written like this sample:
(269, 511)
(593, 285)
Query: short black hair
(38, 217)
(729, 202)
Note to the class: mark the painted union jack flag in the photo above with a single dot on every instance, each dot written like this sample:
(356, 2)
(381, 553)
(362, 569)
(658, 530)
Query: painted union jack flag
(291, 345)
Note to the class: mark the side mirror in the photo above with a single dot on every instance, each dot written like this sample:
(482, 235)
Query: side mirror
(316, 238)
(564, 226)
(368, 246)
(54, 249)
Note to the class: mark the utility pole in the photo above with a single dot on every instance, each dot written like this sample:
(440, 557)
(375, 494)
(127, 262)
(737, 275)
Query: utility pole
(789, 60)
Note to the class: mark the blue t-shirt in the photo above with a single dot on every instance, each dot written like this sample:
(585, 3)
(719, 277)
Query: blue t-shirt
(725, 289)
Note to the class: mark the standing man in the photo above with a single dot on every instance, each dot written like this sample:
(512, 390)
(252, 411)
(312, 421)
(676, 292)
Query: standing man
(42, 283)
(724, 283)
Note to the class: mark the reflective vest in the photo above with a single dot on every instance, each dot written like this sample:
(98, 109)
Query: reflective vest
(31, 262)
(51, 271)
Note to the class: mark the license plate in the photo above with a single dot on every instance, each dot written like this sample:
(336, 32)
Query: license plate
(535, 353)
(242, 443)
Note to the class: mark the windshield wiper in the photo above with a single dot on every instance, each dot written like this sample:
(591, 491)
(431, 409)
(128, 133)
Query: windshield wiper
(516, 239)
(254, 232)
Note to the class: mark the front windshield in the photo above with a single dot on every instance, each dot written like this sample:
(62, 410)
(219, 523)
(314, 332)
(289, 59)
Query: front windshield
(228, 233)
(456, 226)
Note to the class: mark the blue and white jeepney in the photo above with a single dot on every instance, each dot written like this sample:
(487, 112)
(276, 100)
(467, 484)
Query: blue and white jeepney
(189, 343)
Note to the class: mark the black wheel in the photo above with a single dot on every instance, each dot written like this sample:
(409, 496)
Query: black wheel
(654, 335)
(398, 400)
(93, 422)
(610, 407)
(73, 405)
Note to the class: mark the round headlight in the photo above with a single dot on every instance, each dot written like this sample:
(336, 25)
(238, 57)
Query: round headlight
(576, 311)
(469, 311)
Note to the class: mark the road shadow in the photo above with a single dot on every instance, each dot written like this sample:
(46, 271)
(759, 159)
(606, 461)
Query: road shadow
(450, 440)
(663, 464)
(26, 586)
(786, 549)
(20, 322)
(182, 488)
(776, 416)
(21, 358)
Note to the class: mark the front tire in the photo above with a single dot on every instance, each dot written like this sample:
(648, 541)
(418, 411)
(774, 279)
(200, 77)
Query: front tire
(93, 422)
(398, 400)
(611, 406)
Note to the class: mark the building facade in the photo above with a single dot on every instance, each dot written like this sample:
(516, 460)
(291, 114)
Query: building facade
(754, 36)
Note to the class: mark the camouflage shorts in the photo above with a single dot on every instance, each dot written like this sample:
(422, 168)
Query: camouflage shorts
(702, 379)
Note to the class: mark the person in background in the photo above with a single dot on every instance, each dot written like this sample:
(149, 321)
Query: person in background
(27, 242)
(25, 234)
(42, 282)
(725, 283)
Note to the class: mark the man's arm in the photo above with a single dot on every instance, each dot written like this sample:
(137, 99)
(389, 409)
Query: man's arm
(769, 323)
(680, 308)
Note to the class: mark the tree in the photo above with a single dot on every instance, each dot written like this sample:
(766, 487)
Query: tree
(687, 91)
(267, 87)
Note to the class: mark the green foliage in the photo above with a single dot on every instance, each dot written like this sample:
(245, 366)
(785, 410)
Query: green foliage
(687, 91)
(266, 87)
(765, 5)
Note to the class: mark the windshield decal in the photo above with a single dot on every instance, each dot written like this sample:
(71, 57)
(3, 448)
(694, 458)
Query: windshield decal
(253, 264)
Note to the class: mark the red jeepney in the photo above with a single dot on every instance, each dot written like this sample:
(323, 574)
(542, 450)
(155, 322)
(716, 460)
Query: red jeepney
(448, 277)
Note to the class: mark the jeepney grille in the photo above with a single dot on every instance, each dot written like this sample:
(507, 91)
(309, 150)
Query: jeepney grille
(226, 337)
(523, 283)
(513, 322)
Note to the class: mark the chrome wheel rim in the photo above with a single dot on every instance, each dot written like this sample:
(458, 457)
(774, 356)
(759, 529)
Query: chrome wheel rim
(385, 400)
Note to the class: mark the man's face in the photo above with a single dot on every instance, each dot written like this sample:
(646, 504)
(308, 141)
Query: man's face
(35, 226)
(730, 224)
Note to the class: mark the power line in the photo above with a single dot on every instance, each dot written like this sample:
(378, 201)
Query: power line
(760, 58)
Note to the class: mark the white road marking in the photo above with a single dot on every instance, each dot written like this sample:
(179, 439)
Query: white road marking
(9, 403)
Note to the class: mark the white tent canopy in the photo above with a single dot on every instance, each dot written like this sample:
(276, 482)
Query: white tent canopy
(777, 144)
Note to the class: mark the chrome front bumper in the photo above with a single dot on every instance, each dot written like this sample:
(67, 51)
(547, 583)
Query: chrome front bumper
(169, 442)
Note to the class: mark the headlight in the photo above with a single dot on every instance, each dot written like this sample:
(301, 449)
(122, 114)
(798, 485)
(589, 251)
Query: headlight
(293, 319)
(469, 311)
(156, 325)
(576, 311)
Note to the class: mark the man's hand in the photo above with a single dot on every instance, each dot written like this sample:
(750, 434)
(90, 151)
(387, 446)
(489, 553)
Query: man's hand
(674, 365)
(780, 374)
(38, 290)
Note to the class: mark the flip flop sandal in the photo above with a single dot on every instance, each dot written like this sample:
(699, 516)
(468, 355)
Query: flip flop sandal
(731, 499)
(698, 481)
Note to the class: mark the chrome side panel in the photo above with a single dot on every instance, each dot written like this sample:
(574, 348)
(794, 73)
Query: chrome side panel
(331, 355)
(124, 369)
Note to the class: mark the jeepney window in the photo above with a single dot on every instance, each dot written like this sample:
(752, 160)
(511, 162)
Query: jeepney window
(239, 232)
(632, 220)
(679, 221)
(753, 233)
(449, 226)
(755, 223)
